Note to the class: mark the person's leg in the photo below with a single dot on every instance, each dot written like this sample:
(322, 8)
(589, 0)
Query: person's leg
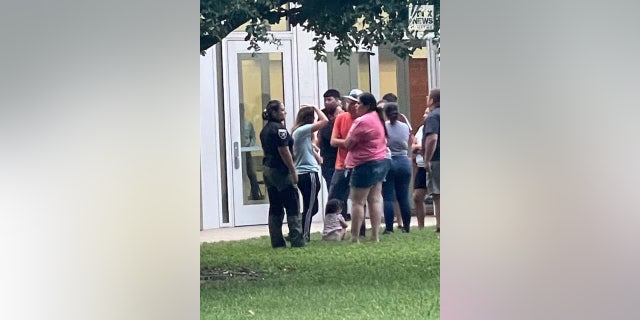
(253, 180)
(402, 179)
(291, 201)
(418, 201)
(363, 226)
(304, 183)
(327, 174)
(276, 214)
(313, 202)
(331, 190)
(419, 193)
(434, 190)
(397, 215)
(358, 199)
(340, 183)
(436, 202)
(315, 190)
(374, 200)
(388, 196)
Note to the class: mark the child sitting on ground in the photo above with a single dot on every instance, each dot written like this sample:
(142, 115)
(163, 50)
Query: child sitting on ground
(334, 225)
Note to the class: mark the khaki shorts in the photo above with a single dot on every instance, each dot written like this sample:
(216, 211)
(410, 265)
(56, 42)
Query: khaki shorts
(433, 178)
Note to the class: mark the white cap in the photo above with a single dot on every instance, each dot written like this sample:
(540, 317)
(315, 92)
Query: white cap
(354, 94)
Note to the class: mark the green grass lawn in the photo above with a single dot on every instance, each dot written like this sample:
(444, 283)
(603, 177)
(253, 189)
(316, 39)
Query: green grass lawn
(397, 278)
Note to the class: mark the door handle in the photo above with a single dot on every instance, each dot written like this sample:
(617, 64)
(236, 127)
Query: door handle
(236, 155)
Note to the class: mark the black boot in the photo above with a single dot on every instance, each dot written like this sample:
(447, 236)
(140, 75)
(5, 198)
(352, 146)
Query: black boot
(295, 231)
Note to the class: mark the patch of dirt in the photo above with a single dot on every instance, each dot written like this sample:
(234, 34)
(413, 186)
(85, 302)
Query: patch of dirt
(212, 275)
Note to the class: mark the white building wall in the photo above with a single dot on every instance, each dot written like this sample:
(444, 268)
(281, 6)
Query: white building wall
(309, 82)
(209, 157)
(307, 68)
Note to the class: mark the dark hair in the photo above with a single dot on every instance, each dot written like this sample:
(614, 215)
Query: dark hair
(331, 111)
(391, 110)
(306, 115)
(390, 97)
(435, 97)
(332, 93)
(369, 101)
(333, 206)
(272, 106)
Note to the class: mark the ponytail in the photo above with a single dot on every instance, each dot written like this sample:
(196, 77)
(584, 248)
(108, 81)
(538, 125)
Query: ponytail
(391, 110)
(381, 116)
(272, 106)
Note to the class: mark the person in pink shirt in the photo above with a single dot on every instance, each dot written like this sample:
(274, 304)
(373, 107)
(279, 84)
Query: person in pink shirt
(367, 159)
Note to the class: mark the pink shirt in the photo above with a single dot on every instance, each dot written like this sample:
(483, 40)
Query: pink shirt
(370, 142)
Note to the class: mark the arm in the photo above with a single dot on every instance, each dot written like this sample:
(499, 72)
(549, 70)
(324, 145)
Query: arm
(316, 141)
(431, 131)
(288, 161)
(336, 139)
(343, 223)
(430, 143)
(410, 144)
(349, 142)
(316, 154)
(322, 119)
(416, 147)
(356, 133)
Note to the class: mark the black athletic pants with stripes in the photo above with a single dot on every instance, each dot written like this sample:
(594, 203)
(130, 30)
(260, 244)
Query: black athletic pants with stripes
(309, 185)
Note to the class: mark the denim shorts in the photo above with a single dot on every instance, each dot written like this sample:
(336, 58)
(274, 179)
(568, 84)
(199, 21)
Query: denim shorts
(369, 173)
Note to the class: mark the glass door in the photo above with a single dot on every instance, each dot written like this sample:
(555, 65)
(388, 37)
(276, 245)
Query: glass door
(253, 80)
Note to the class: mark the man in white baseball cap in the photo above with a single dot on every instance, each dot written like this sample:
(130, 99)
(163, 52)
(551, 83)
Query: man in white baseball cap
(353, 95)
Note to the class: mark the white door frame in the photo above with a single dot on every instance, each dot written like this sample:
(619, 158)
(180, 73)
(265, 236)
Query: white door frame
(210, 193)
(254, 214)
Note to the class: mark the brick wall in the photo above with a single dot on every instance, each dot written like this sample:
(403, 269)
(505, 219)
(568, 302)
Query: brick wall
(418, 86)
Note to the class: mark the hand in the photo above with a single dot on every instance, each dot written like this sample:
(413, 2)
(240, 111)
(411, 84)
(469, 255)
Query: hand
(427, 166)
(294, 177)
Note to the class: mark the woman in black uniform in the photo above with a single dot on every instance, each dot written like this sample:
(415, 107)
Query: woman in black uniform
(280, 177)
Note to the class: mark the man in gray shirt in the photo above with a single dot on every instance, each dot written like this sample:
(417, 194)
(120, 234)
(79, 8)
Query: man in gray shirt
(431, 145)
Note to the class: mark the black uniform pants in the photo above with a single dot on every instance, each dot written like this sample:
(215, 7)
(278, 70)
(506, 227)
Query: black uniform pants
(283, 195)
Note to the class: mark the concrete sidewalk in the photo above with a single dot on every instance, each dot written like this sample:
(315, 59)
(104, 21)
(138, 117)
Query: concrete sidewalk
(241, 233)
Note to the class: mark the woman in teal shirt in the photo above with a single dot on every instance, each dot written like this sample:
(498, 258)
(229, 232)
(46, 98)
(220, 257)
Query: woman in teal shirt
(306, 162)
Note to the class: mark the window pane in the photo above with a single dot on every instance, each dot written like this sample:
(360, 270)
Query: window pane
(364, 72)
(388, 73)
(344, 77)
(260, 80)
